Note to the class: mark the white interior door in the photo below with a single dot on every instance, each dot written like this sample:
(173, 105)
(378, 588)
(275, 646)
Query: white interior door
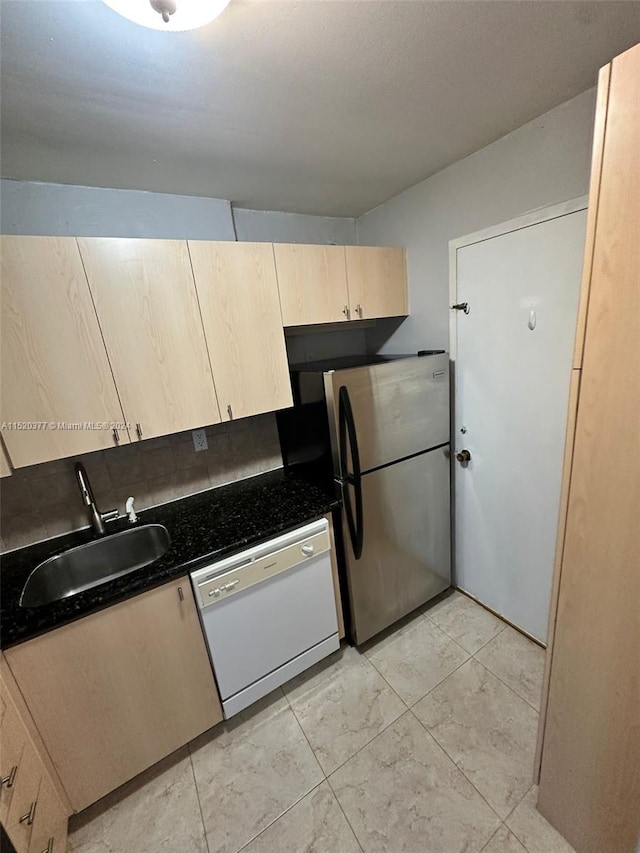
(512, 391)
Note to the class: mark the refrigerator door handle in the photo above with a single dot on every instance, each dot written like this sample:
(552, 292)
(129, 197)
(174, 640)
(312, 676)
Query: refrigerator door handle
(348, 431)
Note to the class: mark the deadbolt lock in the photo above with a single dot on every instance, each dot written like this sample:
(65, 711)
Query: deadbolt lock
(463, 457)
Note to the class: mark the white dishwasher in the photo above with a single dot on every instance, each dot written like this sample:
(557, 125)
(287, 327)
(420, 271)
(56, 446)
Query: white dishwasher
(268, 613)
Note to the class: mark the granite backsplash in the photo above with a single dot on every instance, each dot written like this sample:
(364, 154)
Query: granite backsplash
(44, 500)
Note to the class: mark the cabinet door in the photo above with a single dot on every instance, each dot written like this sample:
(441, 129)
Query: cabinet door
(54, 363)
(589, 782)
(377, 279)
(148, 312)
(313, 284)
(238, 295)
(115, 692)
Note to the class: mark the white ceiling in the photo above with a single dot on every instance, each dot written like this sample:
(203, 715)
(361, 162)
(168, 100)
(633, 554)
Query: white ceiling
(319, 106)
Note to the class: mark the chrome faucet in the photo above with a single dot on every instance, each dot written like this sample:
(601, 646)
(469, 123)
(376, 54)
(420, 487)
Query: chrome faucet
(96, 518)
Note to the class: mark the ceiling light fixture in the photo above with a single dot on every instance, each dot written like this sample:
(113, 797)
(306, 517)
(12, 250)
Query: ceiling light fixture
(173, 15)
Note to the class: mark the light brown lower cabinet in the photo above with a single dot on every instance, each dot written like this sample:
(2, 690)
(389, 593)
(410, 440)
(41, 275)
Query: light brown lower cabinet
(33, 807)
(116, 691)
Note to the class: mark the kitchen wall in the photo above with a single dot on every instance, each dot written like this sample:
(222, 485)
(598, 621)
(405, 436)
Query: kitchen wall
(44, 500)
(30, 207)
(273, 227)
(544, 162)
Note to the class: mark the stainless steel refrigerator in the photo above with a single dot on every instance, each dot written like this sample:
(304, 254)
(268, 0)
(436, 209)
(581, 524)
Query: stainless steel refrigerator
(378, 427)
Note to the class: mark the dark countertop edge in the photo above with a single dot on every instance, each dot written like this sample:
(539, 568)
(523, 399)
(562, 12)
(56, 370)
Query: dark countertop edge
(325, 506)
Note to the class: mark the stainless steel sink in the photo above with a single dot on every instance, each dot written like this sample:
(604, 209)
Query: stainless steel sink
(95, 563)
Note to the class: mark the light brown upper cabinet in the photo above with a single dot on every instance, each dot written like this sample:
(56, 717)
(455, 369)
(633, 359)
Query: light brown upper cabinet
(114, 692)
(238, 294)
(148, 310)
(313, 284)
(54, 363)
(377, 279)
(332, 284)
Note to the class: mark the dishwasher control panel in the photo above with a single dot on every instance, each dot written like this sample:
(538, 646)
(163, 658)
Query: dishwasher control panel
(218, 582)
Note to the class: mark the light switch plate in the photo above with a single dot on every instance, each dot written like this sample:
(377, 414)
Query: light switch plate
(200, 439)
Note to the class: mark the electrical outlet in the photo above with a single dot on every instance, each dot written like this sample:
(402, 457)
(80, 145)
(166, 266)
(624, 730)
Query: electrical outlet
(199, 439)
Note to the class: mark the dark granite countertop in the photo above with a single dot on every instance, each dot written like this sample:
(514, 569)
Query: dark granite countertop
(202, 527)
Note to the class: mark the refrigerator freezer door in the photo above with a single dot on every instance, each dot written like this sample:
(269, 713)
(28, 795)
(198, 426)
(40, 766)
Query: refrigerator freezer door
(399, 408)
(406, 555)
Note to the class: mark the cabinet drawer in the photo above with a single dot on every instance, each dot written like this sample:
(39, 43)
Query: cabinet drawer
(24, 802)
(55, 840)
(13, 738)
(49, 830)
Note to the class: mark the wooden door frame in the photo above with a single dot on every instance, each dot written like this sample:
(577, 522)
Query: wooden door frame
(533, 217)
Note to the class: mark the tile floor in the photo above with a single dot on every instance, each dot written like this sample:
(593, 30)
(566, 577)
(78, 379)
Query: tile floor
(423, 741)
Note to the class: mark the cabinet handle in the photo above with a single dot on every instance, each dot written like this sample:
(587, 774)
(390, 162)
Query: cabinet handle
(29, 816)
(345, 311)
(230, 412)
(180, 593)
(49, 848)
(359, 310)
(116, 436)
(139, 430)
(11, 778)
